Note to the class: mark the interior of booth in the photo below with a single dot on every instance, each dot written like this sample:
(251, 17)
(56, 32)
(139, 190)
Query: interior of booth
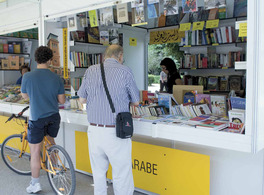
(211, 60)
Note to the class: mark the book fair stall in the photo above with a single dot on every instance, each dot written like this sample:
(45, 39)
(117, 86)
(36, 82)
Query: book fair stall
(204, 138)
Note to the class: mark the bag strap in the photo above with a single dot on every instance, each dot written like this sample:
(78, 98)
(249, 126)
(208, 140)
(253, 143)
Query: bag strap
(106, 89)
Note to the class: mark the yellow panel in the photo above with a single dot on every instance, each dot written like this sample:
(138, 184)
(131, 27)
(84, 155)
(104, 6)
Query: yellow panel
(158, 169)
(170, 171)
(10, 128)
(82, 153)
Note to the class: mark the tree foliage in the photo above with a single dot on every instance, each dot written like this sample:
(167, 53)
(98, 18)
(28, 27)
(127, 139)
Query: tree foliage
(156, 53)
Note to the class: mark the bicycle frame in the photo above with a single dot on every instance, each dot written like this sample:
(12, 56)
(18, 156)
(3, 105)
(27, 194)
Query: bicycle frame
(46, 144)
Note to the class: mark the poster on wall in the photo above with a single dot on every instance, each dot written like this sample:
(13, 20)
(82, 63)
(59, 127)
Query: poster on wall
(166, 36)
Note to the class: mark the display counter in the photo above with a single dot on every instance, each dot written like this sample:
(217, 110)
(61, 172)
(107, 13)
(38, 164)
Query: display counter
(217, 139)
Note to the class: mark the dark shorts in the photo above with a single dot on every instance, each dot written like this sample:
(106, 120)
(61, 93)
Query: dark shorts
(36, 128)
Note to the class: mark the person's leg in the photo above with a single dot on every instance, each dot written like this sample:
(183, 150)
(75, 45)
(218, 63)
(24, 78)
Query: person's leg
(35, 159)
(35, 136)
(98, 159)
(119, 154)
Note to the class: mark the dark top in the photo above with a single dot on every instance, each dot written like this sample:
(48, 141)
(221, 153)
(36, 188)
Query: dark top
(171, 81)
(19, 81)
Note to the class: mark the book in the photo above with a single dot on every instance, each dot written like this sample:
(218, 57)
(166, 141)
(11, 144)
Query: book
(203, 99)
(152, 11)
(189, 96)
(106, 16)
(93, 34)
(137, 3)
(236, 116)
(209, 4)
(104, 37)
(213, 14)
(13, 62)
(235, 83)
(26, 47)
(93, 18)
(199, 119)
(212, 125)
(219, 105)
(5, 48)
(240, 8)
(113, 36)
(202, 109)
(162, 21)
(138, 15)
(72, 22)
(83, 19)
(189, 6)
(223, 85)
(212, 83)
(170, 7)
(122, 13)
(238, 103)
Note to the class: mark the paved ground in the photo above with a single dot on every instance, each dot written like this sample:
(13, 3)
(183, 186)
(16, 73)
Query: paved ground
(14, 184)
(154, 87)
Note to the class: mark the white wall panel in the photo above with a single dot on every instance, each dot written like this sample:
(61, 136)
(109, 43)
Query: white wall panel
(60, 8)
(19, 15)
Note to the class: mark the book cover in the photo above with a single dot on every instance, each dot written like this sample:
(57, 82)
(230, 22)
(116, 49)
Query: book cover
(152, 11)
(200, 118)
(170, 7)
(106, 16)
(162, 20)
(223, 86)
(93, 18)
(212, 83)
(240, 8)
(26, 47)
(218, 105)
(213, 14)
(238, 103)
(189, 6)
(83, 19)
(212, 125)
(236, 116)
(153, 1)
(10, 48)
(1, 48)
(13, 62)
(204, 99)
(235, 83)
(188, 96)
(209, 4)
(139, 16)
(93, 34)
(137, 3)
(202, 109)
(113, 36)
(122, 13)
(72, 22)
(104, 37)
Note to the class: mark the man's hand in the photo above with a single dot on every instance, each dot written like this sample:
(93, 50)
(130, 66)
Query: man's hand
(25, 96)
(82, 100)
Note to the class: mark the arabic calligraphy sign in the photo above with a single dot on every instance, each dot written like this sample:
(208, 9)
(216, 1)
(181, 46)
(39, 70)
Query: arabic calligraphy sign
(166, 36)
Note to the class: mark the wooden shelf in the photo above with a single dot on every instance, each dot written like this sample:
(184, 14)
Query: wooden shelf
(20, 38)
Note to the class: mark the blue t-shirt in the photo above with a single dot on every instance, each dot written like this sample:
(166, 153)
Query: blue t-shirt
(43, 88)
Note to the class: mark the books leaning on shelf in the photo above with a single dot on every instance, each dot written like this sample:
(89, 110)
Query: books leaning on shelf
(81, 59)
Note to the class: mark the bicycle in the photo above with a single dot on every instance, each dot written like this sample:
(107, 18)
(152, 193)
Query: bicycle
(54, 159)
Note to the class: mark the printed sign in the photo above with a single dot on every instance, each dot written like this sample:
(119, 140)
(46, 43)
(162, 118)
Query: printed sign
(166, 36)
(212, 23)
(185, 26)
(198, 26)
(242, 30)
(132, 41)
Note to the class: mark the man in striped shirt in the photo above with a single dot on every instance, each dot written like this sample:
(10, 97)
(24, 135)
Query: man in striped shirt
(104, 146)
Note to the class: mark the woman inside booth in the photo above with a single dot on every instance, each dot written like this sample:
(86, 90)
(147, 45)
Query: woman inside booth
(169, 67)
(23, 69)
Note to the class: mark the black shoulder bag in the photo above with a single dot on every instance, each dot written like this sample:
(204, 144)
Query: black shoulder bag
(124, 121)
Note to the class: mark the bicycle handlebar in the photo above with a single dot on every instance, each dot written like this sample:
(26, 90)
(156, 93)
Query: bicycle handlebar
(18, 115)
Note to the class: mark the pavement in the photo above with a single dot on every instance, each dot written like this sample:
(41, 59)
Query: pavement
(14, 184)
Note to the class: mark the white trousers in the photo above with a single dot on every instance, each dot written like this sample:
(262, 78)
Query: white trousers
(105, 148)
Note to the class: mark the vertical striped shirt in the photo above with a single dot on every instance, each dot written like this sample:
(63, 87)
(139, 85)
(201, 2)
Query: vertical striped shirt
(122, 88)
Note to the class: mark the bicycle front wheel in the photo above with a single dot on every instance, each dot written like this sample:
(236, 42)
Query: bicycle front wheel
(64, 181)
(11, 151)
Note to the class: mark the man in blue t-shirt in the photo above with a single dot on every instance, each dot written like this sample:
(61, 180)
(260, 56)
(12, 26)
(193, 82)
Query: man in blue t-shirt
(45, 90)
